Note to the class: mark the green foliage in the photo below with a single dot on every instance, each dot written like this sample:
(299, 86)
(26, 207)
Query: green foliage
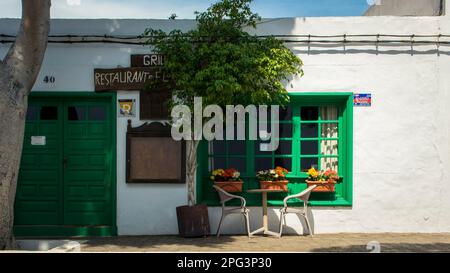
(221, 62)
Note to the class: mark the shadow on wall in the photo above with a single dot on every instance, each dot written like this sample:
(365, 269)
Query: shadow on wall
(296, 221)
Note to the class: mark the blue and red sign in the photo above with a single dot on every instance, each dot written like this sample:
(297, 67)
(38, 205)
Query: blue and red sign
(364, 100)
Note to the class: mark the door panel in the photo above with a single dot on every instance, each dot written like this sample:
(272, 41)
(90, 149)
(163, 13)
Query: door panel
(39, 195)
(87, 149)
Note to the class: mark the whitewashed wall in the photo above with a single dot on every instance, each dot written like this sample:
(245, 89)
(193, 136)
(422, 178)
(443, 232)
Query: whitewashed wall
(401, 143)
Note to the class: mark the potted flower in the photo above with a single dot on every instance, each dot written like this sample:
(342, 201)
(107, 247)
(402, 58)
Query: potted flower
(229, 179)
(325, 180)
(273, 178)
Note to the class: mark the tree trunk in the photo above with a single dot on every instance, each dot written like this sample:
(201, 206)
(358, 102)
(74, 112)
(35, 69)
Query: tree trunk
(18, 72)
(191, 168)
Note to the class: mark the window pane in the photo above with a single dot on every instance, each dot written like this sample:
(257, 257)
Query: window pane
(286, 114)
(263, 163)
(329, 147)
(49, 113)
(76, 113)
(329, 163)
(329, 112)
(217, 147)
(237, 163)
(97, 113)
(309, 130)
(236, 147)
(307, 163)
(262, 150)
(284, 147)
(32, 113)
(286, 130)
(309, 147)
(217, 163)
(309, 113)
(329, 130)
(285, 162)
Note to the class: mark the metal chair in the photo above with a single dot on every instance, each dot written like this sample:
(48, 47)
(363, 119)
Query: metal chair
(225, 197)
(303, 196)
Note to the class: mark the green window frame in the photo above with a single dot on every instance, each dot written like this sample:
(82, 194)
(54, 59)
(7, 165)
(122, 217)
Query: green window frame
(298, 100)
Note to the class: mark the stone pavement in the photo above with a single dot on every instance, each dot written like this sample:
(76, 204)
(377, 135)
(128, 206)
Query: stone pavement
(345, 242)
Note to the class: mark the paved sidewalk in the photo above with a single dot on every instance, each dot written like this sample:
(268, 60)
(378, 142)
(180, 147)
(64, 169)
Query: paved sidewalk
(347, 242)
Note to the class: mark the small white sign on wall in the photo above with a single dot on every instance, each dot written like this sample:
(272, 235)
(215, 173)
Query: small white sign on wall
(38, 140)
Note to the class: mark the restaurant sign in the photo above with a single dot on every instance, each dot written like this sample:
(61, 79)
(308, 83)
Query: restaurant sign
(130, 78)
(147, 60)
(364, 100)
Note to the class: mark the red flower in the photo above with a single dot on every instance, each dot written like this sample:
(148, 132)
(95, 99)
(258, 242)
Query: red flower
(330, 175)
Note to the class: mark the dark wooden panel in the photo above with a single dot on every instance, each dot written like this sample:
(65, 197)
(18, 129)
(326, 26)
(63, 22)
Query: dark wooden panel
(153, 156)
(154, 104)
(156, 158)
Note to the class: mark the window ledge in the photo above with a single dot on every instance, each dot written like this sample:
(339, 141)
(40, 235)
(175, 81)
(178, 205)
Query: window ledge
(313, 203)
(339, 202)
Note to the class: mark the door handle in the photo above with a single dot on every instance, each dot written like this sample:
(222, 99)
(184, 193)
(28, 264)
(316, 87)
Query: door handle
(65, 162)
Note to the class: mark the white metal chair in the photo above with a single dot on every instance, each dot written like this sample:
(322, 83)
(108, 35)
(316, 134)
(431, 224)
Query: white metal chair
(225, 197)
(303, 196)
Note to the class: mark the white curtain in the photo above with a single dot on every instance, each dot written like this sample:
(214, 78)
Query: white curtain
(329, 130)
(210, 159)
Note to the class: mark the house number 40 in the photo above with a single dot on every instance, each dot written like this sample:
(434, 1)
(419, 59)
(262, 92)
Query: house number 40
(49, 79)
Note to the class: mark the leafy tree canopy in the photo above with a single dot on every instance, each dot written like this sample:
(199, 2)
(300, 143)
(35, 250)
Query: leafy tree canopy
(222, 63)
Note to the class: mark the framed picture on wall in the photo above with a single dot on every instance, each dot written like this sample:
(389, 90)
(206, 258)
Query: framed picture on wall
(153, 156)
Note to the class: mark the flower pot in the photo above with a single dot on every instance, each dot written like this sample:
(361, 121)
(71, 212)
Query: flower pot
(230, 186)
(322, 186)
(193, 221)
(274, 185)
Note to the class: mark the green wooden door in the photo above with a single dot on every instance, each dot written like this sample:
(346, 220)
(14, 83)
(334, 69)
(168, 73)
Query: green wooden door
(66, 180)
(87, 163)
(39, 195)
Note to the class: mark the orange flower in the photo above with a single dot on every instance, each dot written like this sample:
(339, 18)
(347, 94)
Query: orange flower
(281, 171)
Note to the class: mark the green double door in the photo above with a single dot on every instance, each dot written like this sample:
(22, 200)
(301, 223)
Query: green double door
(66, 182)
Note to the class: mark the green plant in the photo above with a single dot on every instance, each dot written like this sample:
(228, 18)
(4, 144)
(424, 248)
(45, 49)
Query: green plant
(224, 64)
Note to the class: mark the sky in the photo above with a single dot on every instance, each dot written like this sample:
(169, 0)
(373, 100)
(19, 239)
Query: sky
(184, 9)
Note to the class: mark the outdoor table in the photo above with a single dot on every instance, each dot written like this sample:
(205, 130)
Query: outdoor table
(265, 228)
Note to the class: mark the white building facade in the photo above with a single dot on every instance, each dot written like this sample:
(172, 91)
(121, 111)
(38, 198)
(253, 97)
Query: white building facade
(399, 146)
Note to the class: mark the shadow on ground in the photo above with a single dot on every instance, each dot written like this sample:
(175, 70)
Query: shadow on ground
(364, 243)
(155, 242)
(389, 247)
